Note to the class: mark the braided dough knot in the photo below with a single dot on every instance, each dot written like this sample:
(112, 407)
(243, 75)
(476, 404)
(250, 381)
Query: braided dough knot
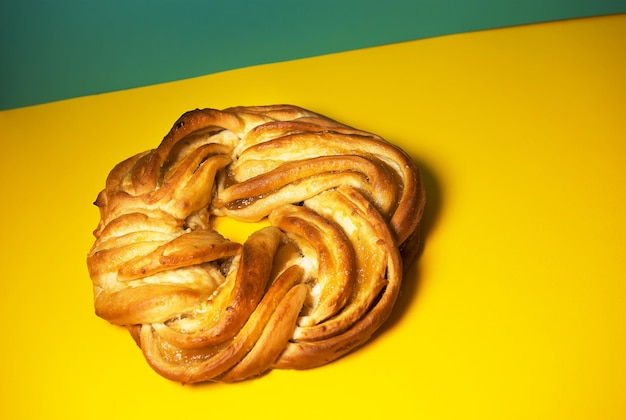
(343, 208)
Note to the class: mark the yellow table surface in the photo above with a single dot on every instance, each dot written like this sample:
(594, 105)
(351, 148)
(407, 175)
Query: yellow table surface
(516, 308)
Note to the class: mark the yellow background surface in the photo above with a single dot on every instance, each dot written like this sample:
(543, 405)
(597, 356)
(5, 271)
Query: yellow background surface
(516, 308)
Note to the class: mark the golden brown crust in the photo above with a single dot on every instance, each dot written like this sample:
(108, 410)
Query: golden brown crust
(344, 207)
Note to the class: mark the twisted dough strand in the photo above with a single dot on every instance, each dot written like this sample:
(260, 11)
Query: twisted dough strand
(344, 208)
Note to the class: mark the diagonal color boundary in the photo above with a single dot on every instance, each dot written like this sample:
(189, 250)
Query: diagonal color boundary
(54, 50)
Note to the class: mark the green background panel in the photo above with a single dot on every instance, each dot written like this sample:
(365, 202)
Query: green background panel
(53, 50)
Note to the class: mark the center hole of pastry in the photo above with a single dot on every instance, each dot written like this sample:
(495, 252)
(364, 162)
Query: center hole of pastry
(236, 230)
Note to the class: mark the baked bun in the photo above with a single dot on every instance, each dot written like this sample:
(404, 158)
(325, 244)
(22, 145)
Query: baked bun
(343, 207)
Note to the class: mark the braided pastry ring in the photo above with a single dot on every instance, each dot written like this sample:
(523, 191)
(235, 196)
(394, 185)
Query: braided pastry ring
(343, 207)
